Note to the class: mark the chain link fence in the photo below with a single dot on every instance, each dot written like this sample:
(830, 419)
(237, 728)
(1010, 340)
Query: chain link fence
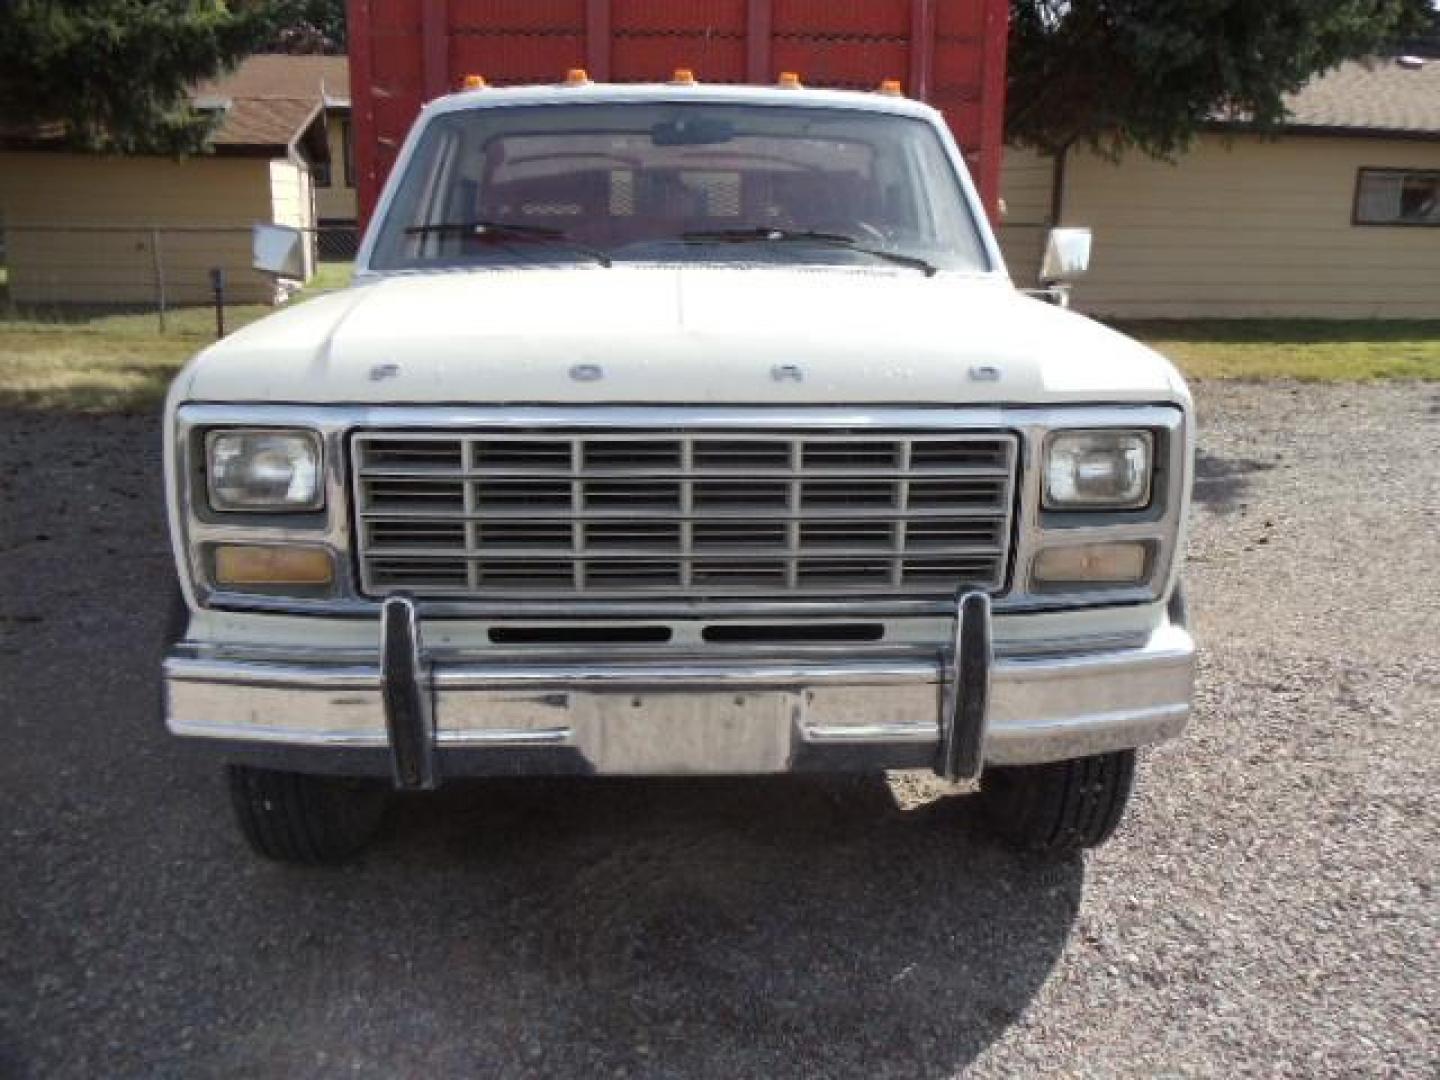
(59, 272)
(337, 242)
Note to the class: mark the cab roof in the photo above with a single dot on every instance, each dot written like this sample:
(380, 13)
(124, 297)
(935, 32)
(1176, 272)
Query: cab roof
(650, 93)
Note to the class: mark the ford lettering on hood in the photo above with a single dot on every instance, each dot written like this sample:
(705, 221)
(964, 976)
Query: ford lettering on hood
(665, 334)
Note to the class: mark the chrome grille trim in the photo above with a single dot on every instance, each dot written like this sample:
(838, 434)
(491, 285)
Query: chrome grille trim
(693, 515)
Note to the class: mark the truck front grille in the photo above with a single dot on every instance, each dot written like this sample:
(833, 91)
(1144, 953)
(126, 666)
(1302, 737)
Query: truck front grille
(655, 513)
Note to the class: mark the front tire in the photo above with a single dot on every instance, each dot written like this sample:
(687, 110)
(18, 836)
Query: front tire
(1060, 807)
(308, 820)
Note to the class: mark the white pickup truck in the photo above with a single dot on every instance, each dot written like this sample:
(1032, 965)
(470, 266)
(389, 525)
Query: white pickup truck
(677, 430)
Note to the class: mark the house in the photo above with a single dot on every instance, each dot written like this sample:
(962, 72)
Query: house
(336, 205)
(283, 82)
(135, 230)
(1336, 217)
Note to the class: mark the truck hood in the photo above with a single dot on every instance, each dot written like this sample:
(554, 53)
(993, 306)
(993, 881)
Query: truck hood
(702, 335)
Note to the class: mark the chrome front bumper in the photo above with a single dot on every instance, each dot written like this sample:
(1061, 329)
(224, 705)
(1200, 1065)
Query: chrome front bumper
(420, 718)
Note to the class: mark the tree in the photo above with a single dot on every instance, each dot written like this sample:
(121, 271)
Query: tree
(312, 26)
(1116, 75)
(114, 75)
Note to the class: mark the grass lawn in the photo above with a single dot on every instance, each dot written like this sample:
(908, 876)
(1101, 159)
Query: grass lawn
(88, 370)
(1316, 350)
(107, 361)
(329, 276)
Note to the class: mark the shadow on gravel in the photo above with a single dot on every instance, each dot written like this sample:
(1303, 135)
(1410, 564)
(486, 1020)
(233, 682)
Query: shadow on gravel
(1221, 483)
(794, 926)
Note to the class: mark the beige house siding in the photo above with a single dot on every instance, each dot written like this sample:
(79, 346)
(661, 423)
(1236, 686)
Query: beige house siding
(1026, 180)
(89, 189)
(1251, 228)
(82, 229)
(336, 202)
(293, 202)
(289, 199)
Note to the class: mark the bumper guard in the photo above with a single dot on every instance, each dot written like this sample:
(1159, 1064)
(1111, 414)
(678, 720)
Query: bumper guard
(415, 716)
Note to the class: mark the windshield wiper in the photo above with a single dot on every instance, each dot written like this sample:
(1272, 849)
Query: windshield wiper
(505, 232)
(769, 234)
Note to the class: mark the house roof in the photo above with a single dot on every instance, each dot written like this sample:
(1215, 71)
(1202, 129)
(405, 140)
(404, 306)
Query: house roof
(269, 99)
(266, 104)
(1380, 96)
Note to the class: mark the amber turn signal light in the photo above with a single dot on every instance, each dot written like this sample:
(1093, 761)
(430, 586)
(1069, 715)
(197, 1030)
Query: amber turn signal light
(272, 564)
(1122, 563)
(577, 77)
(682, 77)
(789, 80)
(890, 88)
(473, 82)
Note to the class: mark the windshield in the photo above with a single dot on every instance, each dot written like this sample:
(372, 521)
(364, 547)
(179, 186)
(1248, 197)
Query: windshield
(678, 182)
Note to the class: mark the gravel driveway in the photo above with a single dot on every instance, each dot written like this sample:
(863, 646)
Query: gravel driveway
(1269, 907)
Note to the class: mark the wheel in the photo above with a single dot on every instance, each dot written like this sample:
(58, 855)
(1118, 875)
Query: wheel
(1059, 807)
(294, 818)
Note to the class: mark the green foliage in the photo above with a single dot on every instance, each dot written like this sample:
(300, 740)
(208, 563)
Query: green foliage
(1146, 74)
(112, 75)
(312, 26)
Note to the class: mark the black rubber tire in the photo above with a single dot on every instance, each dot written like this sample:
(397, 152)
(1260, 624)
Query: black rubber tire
(1060, 807)
(309, 820)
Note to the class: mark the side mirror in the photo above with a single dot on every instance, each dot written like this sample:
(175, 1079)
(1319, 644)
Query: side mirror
(1067, 255)
(279, 250)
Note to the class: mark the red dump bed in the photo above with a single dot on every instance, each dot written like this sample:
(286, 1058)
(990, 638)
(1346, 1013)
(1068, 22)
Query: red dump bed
(950, 53)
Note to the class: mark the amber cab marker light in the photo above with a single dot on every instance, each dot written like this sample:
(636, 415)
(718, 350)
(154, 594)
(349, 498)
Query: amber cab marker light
(891, 88)
(577, 77)
(682, 77)
(473, 82)
(255, 564)
(789, 80)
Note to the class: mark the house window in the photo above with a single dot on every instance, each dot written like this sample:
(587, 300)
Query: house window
(349, 153)
(1398, 197)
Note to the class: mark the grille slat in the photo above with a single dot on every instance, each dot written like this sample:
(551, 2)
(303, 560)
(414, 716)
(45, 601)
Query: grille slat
(605, 515)
(646, 512)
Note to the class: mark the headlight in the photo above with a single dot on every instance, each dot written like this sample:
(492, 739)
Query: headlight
(1098, 470)
(264, 470)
